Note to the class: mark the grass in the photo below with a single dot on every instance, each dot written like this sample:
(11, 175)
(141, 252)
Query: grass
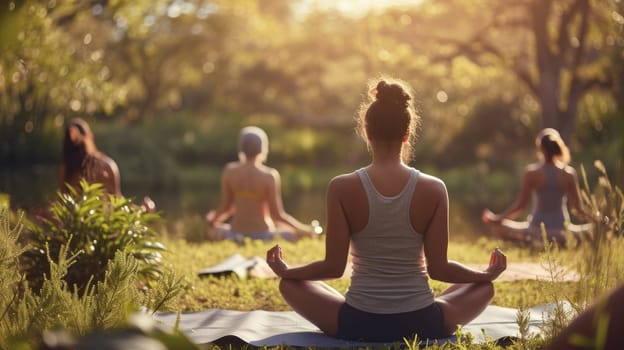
(230, 292)
(597, 261)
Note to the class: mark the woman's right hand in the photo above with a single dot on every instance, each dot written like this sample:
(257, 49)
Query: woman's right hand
(148, 205)
(498, 263)
(210, 218)
(275, 260)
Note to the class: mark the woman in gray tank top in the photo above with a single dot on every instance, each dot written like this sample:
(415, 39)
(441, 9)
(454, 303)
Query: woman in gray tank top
(393, 220)
(549, 184)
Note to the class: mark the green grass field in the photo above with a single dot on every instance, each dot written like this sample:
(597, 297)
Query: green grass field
(231, 292)
(108, 304)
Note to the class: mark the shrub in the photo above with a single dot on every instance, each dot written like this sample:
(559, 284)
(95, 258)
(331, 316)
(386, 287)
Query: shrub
(56, 312)
(93, 227)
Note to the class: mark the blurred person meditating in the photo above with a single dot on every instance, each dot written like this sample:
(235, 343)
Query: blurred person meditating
(393, 219)
(81, 159)
(550, 183)
(251, 197)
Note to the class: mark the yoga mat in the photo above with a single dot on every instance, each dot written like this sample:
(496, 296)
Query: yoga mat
(272, 328)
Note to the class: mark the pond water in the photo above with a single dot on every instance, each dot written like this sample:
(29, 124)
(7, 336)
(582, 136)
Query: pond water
(30, 188)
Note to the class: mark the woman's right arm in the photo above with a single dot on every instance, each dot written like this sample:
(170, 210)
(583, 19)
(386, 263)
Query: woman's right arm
(337, 240)
(436, 247)
(226, 205)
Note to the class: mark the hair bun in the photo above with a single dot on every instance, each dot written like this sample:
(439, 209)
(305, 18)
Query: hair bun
(391, 94)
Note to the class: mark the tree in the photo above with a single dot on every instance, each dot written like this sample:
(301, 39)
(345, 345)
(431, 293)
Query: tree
(44, 78)
(559, 49)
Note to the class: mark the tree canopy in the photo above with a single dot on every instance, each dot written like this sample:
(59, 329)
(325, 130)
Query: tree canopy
(524, 63)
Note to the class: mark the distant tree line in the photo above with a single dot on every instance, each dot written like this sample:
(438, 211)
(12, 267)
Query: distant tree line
(487, 74)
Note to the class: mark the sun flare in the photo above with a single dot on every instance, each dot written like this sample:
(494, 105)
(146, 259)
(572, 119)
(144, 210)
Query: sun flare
(353, 7)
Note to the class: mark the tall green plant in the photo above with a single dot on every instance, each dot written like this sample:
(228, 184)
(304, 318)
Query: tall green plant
(599, 260)
(94, 226)
(10, 277)
(596, 259)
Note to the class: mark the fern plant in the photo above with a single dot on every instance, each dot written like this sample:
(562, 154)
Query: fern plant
(94, 226)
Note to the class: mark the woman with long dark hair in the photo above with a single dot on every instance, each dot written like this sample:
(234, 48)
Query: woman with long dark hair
(83, 160)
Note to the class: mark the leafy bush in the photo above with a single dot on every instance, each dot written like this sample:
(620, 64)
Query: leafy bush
(55, 312)
(93, 227)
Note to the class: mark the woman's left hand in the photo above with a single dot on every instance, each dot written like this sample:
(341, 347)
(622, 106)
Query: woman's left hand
(489, 217)
(148, 205)
(274, 259)
(498, 263)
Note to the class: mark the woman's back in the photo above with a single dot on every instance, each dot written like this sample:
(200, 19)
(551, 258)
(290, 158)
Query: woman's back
(549, 198)
(95, 167)
(388, 253)
(250, 187)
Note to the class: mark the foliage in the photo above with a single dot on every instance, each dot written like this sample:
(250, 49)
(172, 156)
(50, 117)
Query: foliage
(595, 258)
(603, 266)
(233, 293)
(550, 46)
(56, 313)
(45, 75)
(93, 227)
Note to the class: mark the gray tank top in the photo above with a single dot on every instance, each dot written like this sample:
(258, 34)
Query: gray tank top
(389, 267)
(549, 202)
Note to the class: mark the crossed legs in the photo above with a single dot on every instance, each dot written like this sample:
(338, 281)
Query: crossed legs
(320, 304)
(461, 303)
(316, 301)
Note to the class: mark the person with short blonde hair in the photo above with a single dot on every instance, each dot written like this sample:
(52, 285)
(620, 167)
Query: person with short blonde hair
(251, 197)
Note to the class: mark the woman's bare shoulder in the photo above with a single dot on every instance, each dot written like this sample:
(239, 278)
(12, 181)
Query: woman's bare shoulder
(533, 167)
(430, 184)
(344, 181)
(231, 166)
(107, 162)
(569, 170)
(269, 172)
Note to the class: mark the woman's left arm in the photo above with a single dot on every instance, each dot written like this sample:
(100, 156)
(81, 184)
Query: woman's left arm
(336, 246)
(276, 205)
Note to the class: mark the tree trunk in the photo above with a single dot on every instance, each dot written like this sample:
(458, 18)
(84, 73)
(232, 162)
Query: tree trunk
(548, 89)
(548, 83)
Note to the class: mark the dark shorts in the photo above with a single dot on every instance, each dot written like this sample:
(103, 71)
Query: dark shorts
(354, 324)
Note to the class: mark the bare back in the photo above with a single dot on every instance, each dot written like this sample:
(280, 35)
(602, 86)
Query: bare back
(95, 168)
(250, 188)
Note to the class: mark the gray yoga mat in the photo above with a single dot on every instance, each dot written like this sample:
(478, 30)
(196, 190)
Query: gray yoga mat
(271, 328)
